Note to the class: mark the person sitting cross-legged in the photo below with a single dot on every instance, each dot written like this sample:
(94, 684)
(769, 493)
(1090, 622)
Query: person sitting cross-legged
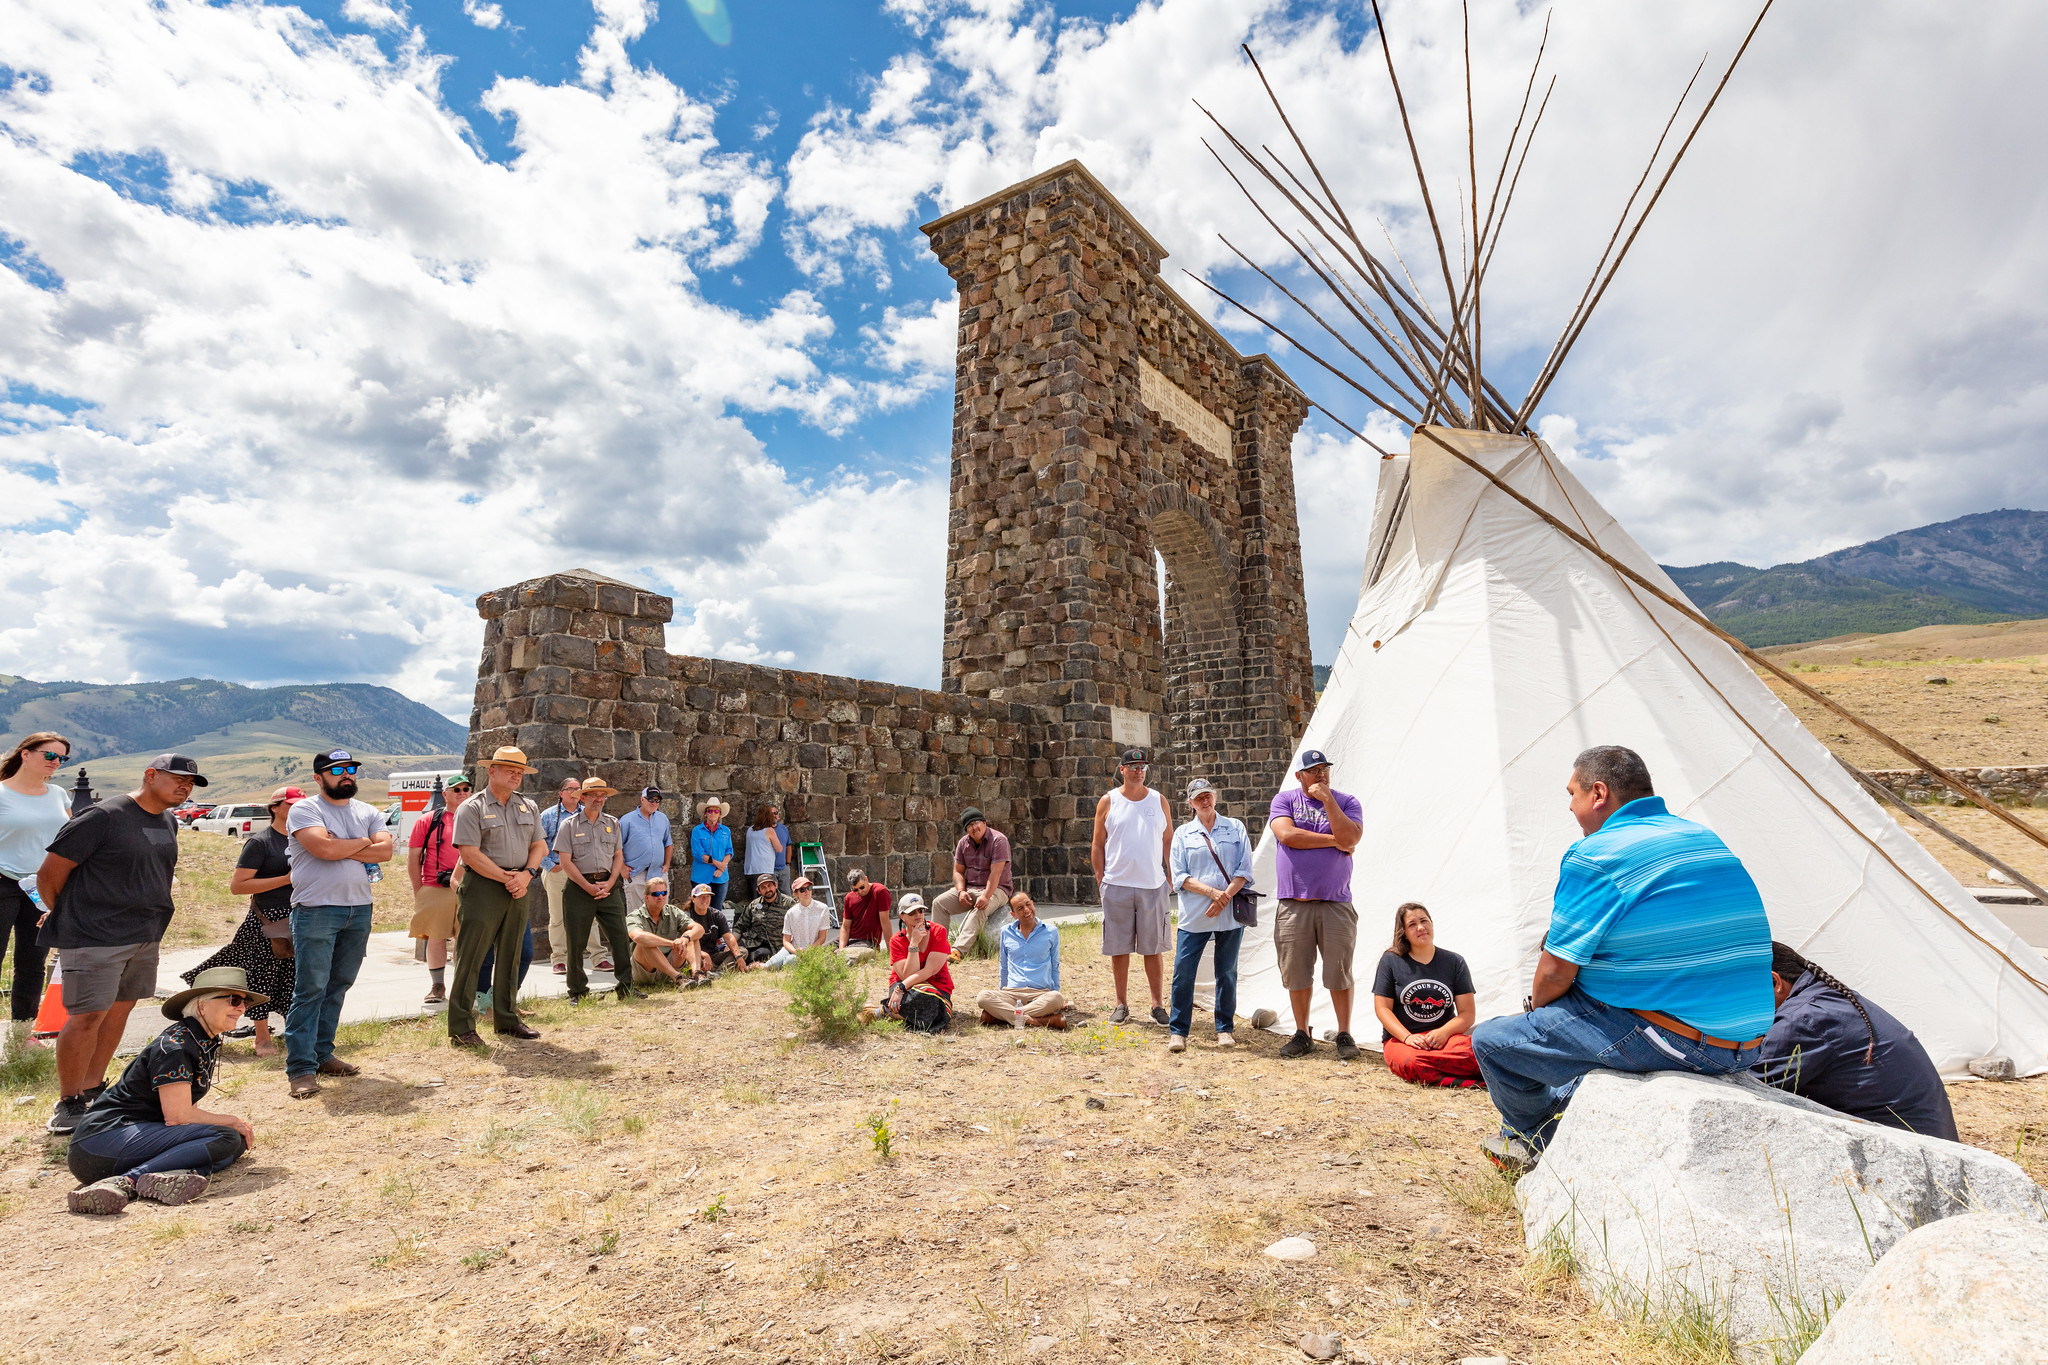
(145, 1136)
(807, 925)
(920, 978)
(759, 921)
(1658, 959)
(1838, 1049)
(664, 938)
(1027, 972)
(1425, 1002)
(718, 947)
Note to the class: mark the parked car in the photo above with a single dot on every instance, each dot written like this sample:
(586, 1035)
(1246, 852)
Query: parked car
(191, 811)
(239, 820)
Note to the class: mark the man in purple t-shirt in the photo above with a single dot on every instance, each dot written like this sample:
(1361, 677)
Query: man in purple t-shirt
(1316, 829)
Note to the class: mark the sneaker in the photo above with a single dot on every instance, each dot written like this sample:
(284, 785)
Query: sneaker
(111, 1195)
(1159, 1015)
(561, 969)
(1120, 1014)
(1300, 1045)
(1225, 1040)
(1346, 1048)
(68, 1111)
(1511, 1154)
(603, 964)
(1176, 1043)
(170, 1188)
(438, 996)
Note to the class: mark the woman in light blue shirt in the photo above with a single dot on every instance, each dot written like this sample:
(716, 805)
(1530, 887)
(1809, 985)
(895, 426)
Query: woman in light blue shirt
(32, 809)
(1211, 863)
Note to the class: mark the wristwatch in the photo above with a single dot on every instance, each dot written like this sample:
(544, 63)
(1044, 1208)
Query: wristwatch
(531, 871)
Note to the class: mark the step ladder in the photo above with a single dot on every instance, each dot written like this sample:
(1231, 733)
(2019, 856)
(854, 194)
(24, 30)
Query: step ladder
(810, 862)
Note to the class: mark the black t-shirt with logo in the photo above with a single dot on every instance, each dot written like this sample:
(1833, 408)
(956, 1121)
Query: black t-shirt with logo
(182, 1052)
(120, 892)
(1424, 996)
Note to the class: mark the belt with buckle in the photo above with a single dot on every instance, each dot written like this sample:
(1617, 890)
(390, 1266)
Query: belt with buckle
(1688, 1032)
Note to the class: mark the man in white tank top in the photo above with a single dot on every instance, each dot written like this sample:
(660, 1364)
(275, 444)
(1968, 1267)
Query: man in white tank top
(1133, 833)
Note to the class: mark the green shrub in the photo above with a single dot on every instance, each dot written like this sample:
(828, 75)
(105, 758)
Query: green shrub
(825, 994)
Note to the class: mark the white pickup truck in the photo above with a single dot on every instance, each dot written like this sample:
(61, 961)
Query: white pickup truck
(240, 820)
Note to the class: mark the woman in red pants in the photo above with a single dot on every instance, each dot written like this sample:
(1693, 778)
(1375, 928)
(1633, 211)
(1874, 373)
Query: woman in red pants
(1423, 997)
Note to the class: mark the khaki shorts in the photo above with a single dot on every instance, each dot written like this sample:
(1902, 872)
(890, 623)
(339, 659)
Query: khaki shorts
(1134, 920)
(97, 978)
(1304, 928)
(433, 912)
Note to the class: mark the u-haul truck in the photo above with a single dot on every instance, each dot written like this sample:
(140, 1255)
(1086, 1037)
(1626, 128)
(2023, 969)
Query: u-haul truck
(413, 792)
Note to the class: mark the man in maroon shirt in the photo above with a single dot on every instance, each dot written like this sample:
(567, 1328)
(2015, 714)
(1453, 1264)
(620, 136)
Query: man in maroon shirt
(864, 920)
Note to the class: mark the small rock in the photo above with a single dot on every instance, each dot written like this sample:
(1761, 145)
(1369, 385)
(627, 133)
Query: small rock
(1995, 1069)
(641, 1183)
(1329, 1035)
(1094, 1103)
(1264, 1018)
(1009, 1229)
(1333, 1298)
(1292, 1249)
(1991, 873)
(1938, 680)
(1484, 1360)
(20, 1100)
(590, 1269)
(1402, 1301)
(1040, 1345)
(636, 1334)
(1320, 1345)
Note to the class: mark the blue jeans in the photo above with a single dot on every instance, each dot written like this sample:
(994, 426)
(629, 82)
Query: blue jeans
(1187, 960)
(145, 1148)
(328, 942)
(483, 975)
(1532, 1062)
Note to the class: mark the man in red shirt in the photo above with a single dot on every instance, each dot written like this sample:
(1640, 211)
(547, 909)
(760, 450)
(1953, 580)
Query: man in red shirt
(435, 870)
(920, 986)
(864, 921)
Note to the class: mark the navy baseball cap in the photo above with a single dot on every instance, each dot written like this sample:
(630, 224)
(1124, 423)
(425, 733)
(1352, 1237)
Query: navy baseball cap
(1311, 758)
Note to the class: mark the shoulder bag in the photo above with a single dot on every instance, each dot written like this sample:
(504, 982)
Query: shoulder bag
(1244, 906)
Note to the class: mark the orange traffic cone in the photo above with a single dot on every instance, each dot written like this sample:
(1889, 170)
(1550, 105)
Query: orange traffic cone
(50, 1018)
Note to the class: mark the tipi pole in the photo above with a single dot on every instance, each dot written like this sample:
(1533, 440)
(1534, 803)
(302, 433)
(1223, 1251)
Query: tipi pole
(1890, 797)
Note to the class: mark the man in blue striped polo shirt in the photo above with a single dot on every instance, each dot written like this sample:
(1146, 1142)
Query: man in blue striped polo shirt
(1658, 959)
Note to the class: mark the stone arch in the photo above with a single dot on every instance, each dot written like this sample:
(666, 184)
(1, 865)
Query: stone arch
(1202, 652)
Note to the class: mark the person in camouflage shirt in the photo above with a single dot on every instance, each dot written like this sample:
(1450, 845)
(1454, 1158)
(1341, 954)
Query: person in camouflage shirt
(759, 921)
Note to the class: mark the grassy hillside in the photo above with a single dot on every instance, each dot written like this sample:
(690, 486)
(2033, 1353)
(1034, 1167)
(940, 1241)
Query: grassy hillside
(246, 761)
(1796, 602)
(148, 718)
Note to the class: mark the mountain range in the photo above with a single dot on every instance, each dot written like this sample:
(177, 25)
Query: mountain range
(130, 718)
(1989, 566)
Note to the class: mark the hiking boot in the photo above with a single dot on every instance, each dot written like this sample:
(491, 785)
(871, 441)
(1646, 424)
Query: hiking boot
(518, 1030)
(111, 1195)
(1346, 1048)
(1120, 1014)
(438, 996)
(1300, 1045)
(1159, 1015)
(1225, 1040)
(334, 1066)
(304, 1087)
(1511, 1154)
(67, 1112)
(170, 1188)
(1176, 1043)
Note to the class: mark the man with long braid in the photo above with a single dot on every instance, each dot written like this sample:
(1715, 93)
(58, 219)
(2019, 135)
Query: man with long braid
(1658, 959)
(1837, 1049)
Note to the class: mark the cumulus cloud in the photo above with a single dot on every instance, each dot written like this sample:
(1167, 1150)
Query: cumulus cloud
(483, 14)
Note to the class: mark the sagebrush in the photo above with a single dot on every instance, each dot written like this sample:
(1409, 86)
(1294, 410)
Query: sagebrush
(825, 994)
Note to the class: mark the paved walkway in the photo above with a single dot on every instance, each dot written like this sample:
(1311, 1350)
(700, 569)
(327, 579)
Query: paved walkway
(393, 983)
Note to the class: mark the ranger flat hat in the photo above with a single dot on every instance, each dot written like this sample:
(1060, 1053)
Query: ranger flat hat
(600, 786)
(509, 756)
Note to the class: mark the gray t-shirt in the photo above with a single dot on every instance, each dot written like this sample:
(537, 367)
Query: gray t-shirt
(319, 881)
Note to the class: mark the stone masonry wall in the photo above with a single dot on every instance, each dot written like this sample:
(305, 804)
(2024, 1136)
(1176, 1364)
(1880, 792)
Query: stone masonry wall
(2012, 786)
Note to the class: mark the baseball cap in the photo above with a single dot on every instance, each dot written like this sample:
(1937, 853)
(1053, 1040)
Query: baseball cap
(459, 780)
(1196, 786)
(330, 758)
(768, 877)
(1311, 758)
(911, 901)
(178, 765)
(650, 793)
(286, 794)
(800, 884)
(699, 890)
(1134, 757)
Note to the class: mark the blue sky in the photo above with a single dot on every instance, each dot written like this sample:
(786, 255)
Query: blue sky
(317, 321)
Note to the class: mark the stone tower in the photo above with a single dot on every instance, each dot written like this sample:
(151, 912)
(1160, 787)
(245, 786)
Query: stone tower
(1097, 420)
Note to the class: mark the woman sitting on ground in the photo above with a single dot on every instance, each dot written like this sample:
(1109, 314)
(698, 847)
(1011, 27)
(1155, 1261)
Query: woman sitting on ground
(1424, 999)
(145, 1137)
(1837, 1049)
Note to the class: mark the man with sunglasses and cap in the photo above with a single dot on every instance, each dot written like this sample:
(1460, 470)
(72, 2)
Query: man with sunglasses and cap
(497, 832)
(664, 938)
(433, 866)
(107, 880)
(334, 840)
(1316, 829)
(590, 850)
(1133, 837)
(145, 1136)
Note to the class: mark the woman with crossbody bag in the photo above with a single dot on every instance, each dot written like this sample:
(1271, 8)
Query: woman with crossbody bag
(1212, 872)
(262, 945)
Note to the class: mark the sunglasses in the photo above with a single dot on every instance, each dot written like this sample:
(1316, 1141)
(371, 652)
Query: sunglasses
(53, 756)
(345, 769)
(240, 1002)
(657, 895)
(458, 787)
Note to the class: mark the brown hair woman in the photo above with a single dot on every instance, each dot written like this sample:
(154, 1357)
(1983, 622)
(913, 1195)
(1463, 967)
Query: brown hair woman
(32, 809)
(1424, 999)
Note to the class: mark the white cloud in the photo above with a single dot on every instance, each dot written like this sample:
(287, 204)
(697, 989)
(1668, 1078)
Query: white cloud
(374, 13)
(484, 14)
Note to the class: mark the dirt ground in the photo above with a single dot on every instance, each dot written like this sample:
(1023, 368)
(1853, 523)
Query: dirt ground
(679, 1180)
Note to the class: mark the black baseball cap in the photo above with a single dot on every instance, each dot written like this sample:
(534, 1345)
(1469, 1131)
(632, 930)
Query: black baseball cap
(178, 765)
(1134, 758)
(650, 793)
(331, 758)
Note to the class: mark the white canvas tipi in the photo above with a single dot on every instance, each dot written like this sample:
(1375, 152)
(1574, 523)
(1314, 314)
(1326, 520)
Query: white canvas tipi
(1488, 650)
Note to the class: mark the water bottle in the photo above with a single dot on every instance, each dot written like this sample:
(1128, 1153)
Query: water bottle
(375, 871)
(28, 888)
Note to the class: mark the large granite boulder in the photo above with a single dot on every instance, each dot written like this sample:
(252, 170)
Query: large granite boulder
(1963, 1291)
(1684, 1196)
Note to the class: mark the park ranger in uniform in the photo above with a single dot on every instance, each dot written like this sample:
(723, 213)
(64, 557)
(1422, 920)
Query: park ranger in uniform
(592, 852)
(497, 835)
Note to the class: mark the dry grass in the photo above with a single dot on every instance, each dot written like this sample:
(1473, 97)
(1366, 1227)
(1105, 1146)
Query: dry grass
(512, 1208)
